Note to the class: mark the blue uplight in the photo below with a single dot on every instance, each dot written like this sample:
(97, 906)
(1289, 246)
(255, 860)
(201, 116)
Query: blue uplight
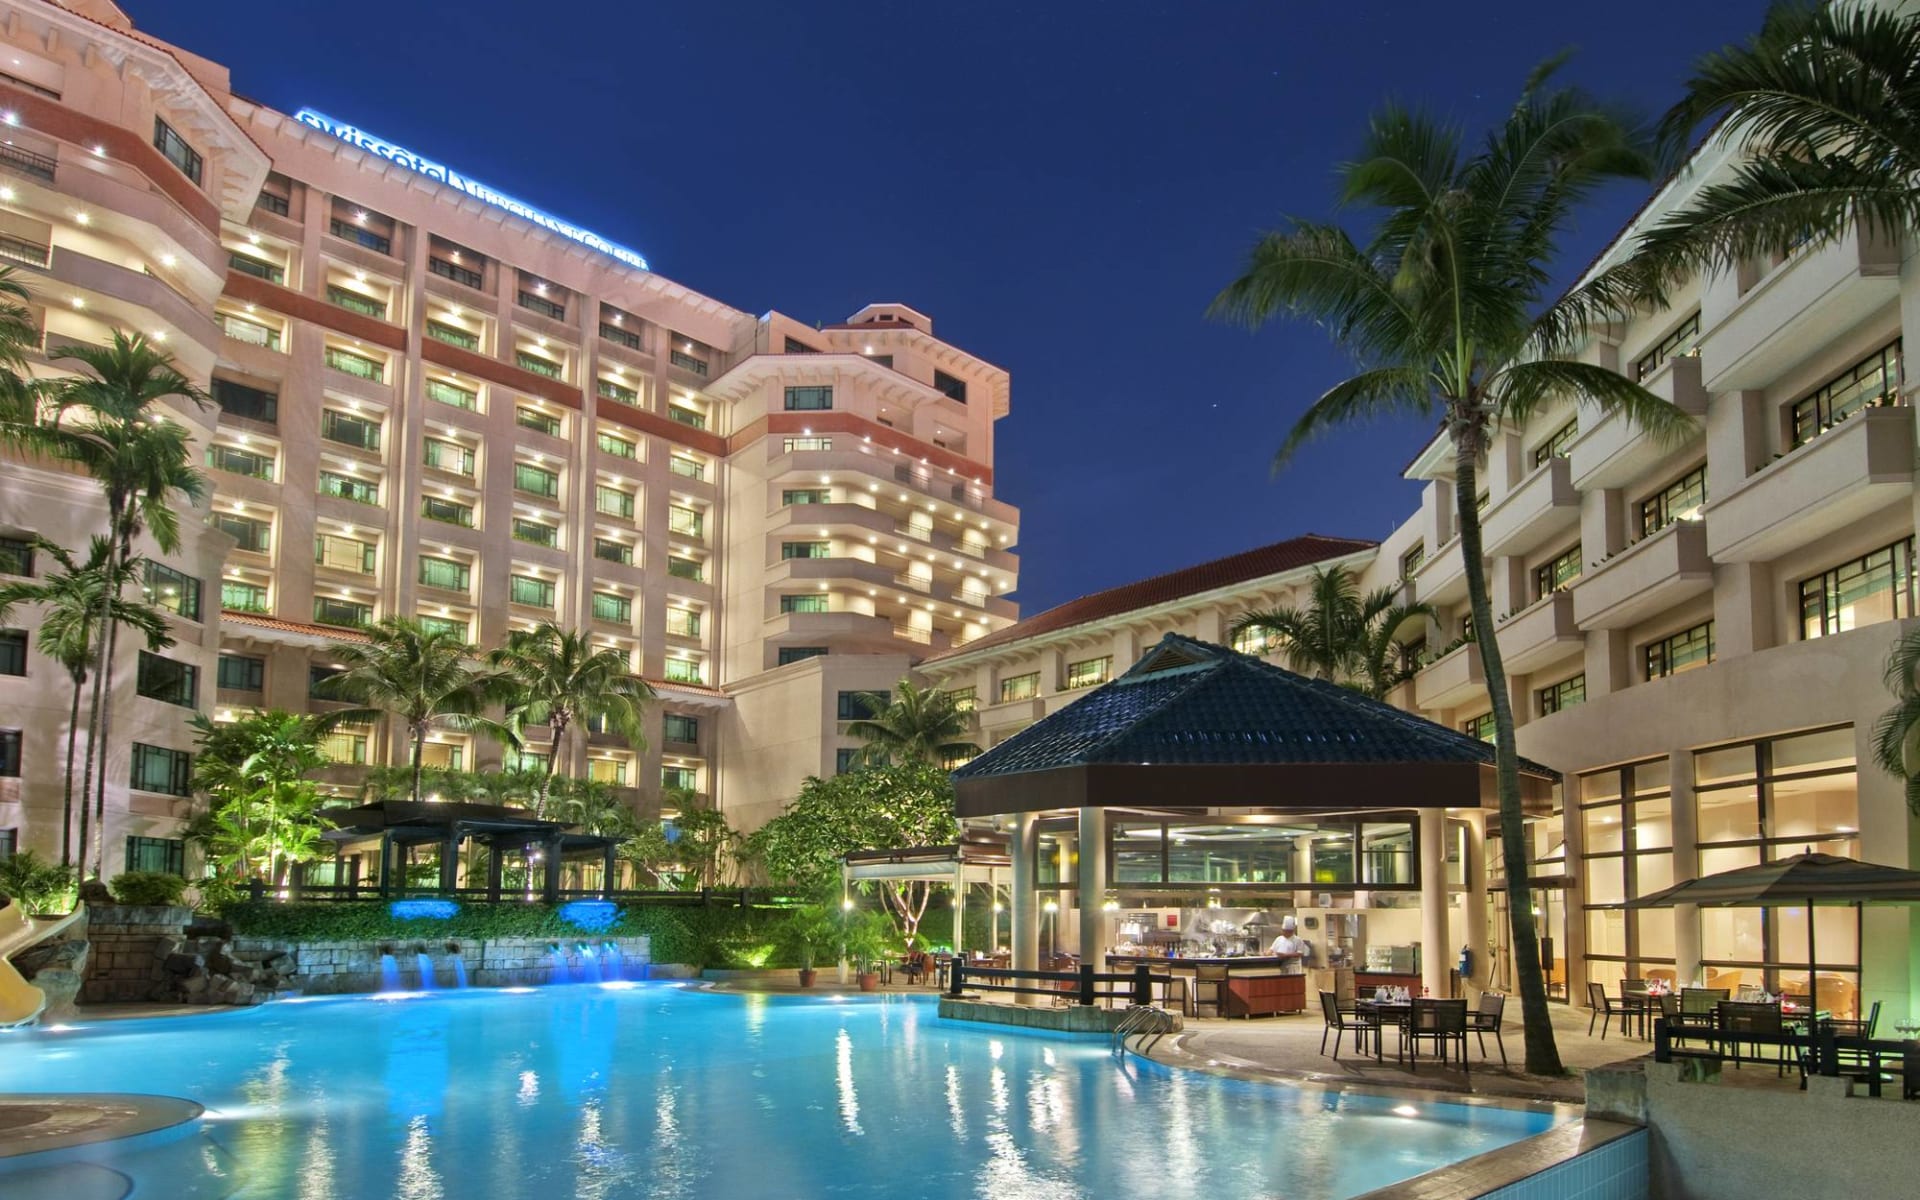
(414, 910)
(595, 916)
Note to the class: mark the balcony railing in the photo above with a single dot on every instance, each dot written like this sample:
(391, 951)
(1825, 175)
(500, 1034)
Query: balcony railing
(536, 364)
(352, 364)
(20, 250)
(447, 393)
(459, 274)
(26, 162)
(242, 330)
(688, 362)
(687, 416)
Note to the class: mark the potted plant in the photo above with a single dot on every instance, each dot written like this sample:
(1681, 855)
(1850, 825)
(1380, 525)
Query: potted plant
(869, 939)
(812, 930)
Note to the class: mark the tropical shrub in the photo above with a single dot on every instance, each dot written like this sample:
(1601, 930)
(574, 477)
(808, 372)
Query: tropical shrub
(40, 887)
(147, 887)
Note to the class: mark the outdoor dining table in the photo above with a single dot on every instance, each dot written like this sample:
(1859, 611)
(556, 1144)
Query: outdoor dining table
(1397, 1011)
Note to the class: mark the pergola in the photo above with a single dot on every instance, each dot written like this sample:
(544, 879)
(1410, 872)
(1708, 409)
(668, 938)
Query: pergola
(979, 857)
(400, 825)
(1201, 730)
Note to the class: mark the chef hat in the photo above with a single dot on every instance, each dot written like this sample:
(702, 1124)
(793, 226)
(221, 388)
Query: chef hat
(1287, 925)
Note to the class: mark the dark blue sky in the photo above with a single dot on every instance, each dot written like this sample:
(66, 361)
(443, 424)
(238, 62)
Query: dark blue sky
(1062, 185)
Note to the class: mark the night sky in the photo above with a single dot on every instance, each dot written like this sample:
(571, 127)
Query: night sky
(1062, 185)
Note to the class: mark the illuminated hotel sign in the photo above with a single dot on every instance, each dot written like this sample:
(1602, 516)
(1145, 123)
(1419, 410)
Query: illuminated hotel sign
(354, 136)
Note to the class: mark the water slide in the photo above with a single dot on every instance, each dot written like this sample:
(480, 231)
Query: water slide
(21, 1002)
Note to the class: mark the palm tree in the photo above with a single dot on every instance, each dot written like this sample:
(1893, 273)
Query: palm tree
(425, 677)
(554, 677)
(73, 596)
(112, 424)
(914, 725)
(1444, 310)
(1896, 739)
(1825, 103)
(1341, 635)
(1384, 663)
(260, 765)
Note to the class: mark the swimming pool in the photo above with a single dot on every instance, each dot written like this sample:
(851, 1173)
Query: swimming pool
(659, 1090)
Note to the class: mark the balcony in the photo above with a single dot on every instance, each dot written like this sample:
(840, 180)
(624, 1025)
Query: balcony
(1540, 509)
(1854, 469)
(130, 287)
(1650, 576)
(1540, 633)
(1441, 579)
(1613, 451)
(1450, 680)
(1817, 294)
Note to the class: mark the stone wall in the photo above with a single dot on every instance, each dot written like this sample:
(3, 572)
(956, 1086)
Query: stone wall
(120, 966)
(333, 967)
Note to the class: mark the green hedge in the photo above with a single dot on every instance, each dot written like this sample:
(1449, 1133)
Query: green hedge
(721, 936)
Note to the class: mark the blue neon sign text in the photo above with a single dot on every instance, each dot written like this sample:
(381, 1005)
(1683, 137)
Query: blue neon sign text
(355, 136)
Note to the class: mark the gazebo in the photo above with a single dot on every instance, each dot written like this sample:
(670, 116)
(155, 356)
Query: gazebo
(979, 857)
(397, 826)
(1196, 731)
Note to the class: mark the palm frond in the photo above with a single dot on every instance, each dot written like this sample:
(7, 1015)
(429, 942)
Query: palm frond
(1523, 388)
(1381, 392)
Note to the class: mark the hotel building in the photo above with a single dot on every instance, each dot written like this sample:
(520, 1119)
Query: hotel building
(1695, 630)
(472, 413)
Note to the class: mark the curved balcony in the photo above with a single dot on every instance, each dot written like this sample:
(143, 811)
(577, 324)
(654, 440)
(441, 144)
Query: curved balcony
(1648, 577)
(87, 273)
(1854, 469)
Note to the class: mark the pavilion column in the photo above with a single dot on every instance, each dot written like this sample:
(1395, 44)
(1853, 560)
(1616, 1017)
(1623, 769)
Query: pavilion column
(450, 857)
(1475, 900)
(553, 869)
(1434, 959)
(494, 866)
(1024, 935)
(1686, 836)
(959, 901)
(386, 865)
(1093, 888)
(606, 872)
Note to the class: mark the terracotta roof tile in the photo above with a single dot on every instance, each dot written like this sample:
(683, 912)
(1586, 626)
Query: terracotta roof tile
(319, 631)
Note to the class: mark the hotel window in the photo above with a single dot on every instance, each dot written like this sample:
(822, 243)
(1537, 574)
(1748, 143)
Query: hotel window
(1677, 344)
(963, 699)
(859, 705)
(359, 302)
(170, 682)
(538, 364)
(538, 296)
(452, 512)
(253, 333)
(361, 227)
(320, 684)
(794, 654)
(246, 264)
(536, 481)
(806, 550)
(619, 447)
(809, 399)
(175, 150)
(619, 393)
(1680, 500)
(158, 769)
(349, 430)
(1411, 560)
(161, 856)
(680, 779)
(618, 335)
(360, 491)
(247, 403)
(357, 365)
(175, 591)
(447, 456)
(539, 422)
(691, 468)
(350, 614)
(687, 362)
(691, 417)
(1565, 694)
(527, 590)
(796, 346)
(683, 622)
(1559, 445)
(1479, 727)
(1020, 687)
(948, 386)
(845, 759)
(1679, 652)
(10, 769)
(1870, 383)
(457, 263)
(608, 770)
(687, 522)
(452, 335)
(1563, 569)
(1626, 819)
(242, 673)
(1088, 672)
(240, 462)
(612, 502)
(449, 575)
(1255, 640)
(16, 557)
(444, 756)
(792, 444)
(452, 394)
(450, 626)
(237, 595)
(686, 568)
(792, 496)
(276, 195)
(608, 607)
(1763, 801)
(345, 745)
(686, 670)
(249, 533)
(607, 550)
(1866, 591)
(807, 602)
(677, 727)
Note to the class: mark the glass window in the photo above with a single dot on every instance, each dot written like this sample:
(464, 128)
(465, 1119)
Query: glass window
(240, 462)
(688, 522)
(806, 550)
(608, 607)
(1228, 854)
(948, 386)
(451, 626)
(1678, 344)
(1559, 445)
(612, 502)
(1089, 672)
(338, 553)
(175, 591)
(453, 394)
(809, 399)
(1866, 591)
(13, 652)
(1386, 854)
(1869, 383)
(16, 556)
(433, 508)
(619, 447)
(1680, 500)
(440, 331)
(679, 727)
(789, 654)
(860, 706)
(537, 364)
(1411, 560)
(539, 422)
(353, 614)
(1255, 640)
(249, 533)
(346, 487)
(804, 496)
(175, 150)
(690, 468)
(806, 602)
(446, 574)
(357, 365)
(525, 589)
(352, 301)
(158, 769)
(168, 681)
(349, 430)
(345, 745)
(687, 670)
(247, 403)
(1549, 577)
(607, 550)
(619, 393)
(1679, 652)
(691, 417)
(683, 622)
(237, 595)
(1479, 727)
(242, 673)
(792, 444)
(536, 481)
(686, 568)
(1565, 694)
(164, 856)
(1020, 687)
(9, 769)
(535, 532)
(318, 683)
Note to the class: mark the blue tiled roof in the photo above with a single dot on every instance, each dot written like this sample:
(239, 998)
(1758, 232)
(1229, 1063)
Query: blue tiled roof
(1190, 702)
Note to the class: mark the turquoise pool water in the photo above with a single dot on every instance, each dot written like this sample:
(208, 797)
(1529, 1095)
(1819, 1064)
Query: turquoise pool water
(657, 1090)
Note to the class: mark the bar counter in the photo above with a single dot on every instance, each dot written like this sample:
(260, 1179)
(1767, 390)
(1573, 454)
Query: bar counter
(1239, 986)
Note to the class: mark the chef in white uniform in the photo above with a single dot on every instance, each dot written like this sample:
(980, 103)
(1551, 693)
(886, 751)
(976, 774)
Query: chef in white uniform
(1292, 947)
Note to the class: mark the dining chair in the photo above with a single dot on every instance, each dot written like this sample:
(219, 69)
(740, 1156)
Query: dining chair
(1749, 1023)
(1485, 1019)
(1339, 1020)
(1442, 1022)
(1603, 1008)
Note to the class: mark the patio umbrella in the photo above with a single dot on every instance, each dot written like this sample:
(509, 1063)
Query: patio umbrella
(1810, 878)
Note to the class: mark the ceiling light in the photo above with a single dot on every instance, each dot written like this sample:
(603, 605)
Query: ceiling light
(81, 218)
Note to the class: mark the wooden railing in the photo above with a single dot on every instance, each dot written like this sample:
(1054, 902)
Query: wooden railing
(1088, 986)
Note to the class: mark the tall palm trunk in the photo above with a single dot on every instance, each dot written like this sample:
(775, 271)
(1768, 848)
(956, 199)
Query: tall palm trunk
(419, 731)
(100, 780)
(1543, 1056)
(95, 755)
(73, 739)
(557, 727)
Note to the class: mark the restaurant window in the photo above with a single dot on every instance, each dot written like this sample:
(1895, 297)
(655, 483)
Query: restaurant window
(678, 727)
(1411, 560)
(1218, 854)
(1866, 591)
(806, 550)
(1559, 445)
(1565, 694)
(809, 399)
(805, 602)
(1680, 500)
(158, 769)
(449, 575)
(790, 654)
(242, 673)
(1020, 687)
(1387, 855)
(1679, 652)
(792, 496)
(530, 591)
(175, 150)
(1089, 672)
(1677, 344)
(1139, 853)
(159, 856)
(1872, 382)
(168, 681)
(1760, 802)
(1560, 571)
(443, 455)
(1479, 727)
(950, 387)
(1256, 640)
(174, 591)
(1626, 822)
(249, 533)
